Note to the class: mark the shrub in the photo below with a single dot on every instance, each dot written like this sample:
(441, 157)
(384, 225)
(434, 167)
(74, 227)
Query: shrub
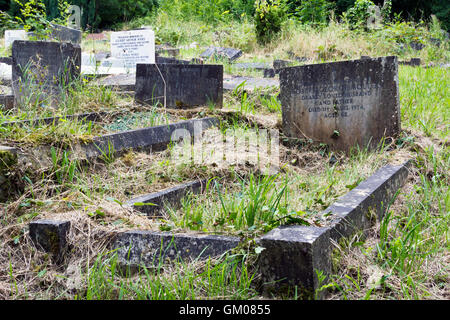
(314, 12)
(358, 15)
(269, 17)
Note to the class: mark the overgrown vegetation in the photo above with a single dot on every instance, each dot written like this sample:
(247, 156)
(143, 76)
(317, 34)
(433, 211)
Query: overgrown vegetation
(404, 257)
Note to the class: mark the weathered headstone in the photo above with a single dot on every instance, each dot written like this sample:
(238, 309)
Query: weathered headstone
(12, 35)
(134, 46)
(43, 69)
(184, 85)
(343, 104)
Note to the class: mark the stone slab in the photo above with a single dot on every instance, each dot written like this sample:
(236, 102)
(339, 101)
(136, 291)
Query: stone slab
(50, 235)
(122, 82)
(184, 85)
(154, 138)
(12, 35)
(361, 207)
(343, 104)
(170, 196)
(227, 53)
(148, 248)
(173, 52)
(291, 257)
(43, 68)
(65, 34)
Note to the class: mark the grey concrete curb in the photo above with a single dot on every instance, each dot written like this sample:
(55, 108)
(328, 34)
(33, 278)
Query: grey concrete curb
(148, 248)
(171, 195)
(294, 254)
(155, 138)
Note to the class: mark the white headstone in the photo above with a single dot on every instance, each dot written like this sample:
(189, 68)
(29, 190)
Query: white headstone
(132, 47)
(11, 35)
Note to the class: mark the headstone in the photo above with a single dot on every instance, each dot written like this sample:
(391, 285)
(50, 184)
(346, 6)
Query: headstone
(12, 35)
(65, 34)
(134, 46)
(343, 104)
(228, 53)
(184, 85)
(43, 68)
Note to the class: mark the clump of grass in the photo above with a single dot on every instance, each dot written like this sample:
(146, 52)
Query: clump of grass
(227, 277)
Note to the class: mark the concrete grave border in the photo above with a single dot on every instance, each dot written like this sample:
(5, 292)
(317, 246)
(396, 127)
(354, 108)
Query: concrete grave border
(90, 116)
(154, 138)
(171, 195)
(292, 254)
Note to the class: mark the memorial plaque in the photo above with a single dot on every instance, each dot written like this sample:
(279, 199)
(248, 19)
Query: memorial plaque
(11, 35)
(134, 46)
(184, 85)
(43, 69)
(344, 104)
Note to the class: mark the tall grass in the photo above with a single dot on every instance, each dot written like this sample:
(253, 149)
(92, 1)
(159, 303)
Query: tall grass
(227, 277)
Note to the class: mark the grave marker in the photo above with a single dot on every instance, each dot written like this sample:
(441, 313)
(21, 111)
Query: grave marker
(184, 84)
(134, 46)
(11, 35)
(43, 68)
(343, 104)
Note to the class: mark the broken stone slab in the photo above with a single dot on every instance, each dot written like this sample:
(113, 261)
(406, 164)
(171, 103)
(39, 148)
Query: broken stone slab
(343, 104)
(361, 207)
(153, 138)
(292, 256)
(148, 248)
(43, 69)
(172, 196)
(179, 85)
(414, 62)
(174, 52)
(7, 102)
(293, 56)
(121, 82)
(219, 52)
(65, 34)
(50, 235)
